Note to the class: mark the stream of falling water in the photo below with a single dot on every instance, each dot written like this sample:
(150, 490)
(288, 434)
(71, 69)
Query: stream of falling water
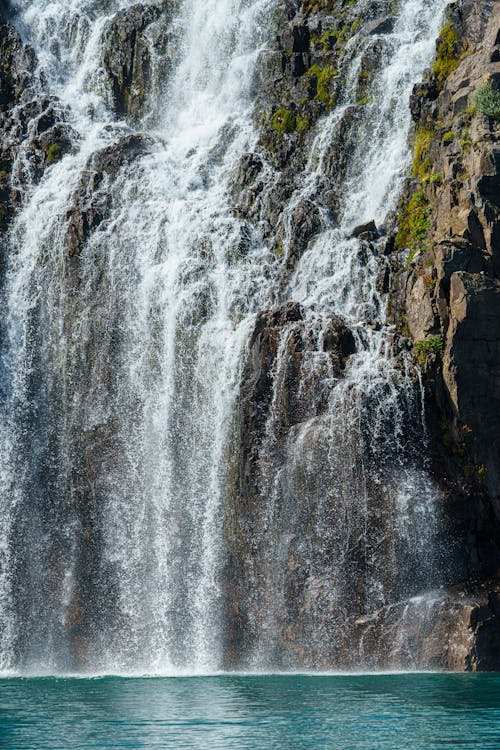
(117, 427)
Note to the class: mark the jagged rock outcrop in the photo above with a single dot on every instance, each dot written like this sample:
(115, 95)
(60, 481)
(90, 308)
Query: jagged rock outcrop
(92, 200)
(33, 134)
(271, 420)
(458, 630)
(137, 39)
(446, 290)
(299, 79)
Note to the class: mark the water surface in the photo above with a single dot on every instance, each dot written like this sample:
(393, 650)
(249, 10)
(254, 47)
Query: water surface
(299, 712)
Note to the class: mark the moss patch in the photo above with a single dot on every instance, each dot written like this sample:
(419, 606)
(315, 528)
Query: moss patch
(414, 223)
(421, 162)
(448, 54)
(286, 121)
(324, 77)
(54, 153)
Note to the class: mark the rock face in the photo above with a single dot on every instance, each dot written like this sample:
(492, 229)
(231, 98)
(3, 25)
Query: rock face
(31, 123)
(297, 82)
(457, 631)
(446, 289)
(92, 199)
(136, 39)
(445, 301)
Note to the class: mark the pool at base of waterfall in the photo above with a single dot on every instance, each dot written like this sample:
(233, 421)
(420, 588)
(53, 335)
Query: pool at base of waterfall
(254, 712)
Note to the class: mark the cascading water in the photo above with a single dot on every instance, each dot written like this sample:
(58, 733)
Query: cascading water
(126, 357)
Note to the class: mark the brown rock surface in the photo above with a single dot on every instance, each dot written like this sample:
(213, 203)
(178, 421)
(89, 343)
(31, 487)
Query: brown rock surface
(452, 289)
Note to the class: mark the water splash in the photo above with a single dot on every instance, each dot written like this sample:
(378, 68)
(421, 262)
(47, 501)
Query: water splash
(126, 364)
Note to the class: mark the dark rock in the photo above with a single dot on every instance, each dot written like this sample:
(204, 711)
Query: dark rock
(127, 56)
(305, 223)
(380, 26)
(18, 66)
(470, 368)
(338, 338)
(92, 199)
(31, 122)
(366, 231)
(450, 295)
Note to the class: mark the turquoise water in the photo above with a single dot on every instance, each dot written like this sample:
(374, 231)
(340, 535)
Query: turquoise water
(295, 712)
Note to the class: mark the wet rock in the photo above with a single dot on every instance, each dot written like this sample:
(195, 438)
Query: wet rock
(92, 199)
(339, 339)
(130, 51)
(470, 368)
(305, 223)
(457, 630)
(446, 297)
(380, 26)
(31, 123)
(366, 231)
(18, 66)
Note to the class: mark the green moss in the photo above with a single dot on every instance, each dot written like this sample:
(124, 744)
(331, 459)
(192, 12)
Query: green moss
(488, 101)
(447, 137)
(448, 54)
(466, 140)
(436, 178)
(344, 34)
(286, 121)
(328, 40)
(470, 111)
(364, 100)
(433, 345)
(414, 223)
(474, 472)
(323, 77)
(54, 153)
(302, 124)
(314, 6)
(421, 162)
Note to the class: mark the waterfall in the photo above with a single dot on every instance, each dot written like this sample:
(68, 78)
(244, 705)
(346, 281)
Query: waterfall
(125, 360)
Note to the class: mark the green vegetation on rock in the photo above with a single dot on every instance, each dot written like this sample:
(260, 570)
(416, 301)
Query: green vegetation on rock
(54, 153)
(414, 223)
(488, 101)
(421, 161)
(286, 121)
(433, 345)
(323, 77)
(448, 54)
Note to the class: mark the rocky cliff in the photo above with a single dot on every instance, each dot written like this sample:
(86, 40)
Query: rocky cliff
(438, 267)
(445, 295)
